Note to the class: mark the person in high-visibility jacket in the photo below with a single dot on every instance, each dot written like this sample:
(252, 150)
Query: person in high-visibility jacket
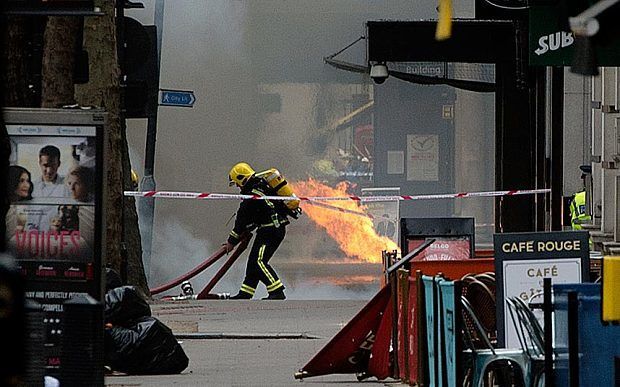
(269, 219)
(578, 213)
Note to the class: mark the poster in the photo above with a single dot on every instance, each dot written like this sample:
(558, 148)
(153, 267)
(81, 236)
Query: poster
(443, 249)
(422, 157)
(385, 214)
(51, 190)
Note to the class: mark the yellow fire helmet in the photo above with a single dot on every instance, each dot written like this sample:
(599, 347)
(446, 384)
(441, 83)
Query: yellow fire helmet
(135, 179)
(240, 174)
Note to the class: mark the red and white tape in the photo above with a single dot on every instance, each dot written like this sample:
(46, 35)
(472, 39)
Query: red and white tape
(387, 198)
(339, 209)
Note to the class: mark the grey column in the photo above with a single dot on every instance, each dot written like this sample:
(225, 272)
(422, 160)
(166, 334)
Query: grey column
(609, 146)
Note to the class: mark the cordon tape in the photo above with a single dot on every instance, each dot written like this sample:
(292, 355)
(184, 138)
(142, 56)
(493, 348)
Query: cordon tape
(317, 200)
(384, 198)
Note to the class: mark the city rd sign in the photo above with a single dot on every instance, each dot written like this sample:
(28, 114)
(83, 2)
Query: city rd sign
(181, 98)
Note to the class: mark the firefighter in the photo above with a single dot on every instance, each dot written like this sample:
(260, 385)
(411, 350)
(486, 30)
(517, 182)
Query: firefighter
(269, 219)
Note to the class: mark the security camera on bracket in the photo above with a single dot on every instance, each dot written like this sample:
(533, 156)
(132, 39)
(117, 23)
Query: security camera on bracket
(379, 72)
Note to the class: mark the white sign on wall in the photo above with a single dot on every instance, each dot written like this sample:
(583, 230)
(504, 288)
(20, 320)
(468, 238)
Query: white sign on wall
(395, 162)
(422, 157)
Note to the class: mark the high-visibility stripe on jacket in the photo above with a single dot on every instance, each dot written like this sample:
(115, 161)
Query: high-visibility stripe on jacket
(578, 214)
(256, 213)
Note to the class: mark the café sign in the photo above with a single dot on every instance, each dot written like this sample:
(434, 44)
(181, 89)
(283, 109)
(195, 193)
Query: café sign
(523, 260)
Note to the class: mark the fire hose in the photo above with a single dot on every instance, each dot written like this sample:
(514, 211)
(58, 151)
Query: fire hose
(203, 266)
(204, 294)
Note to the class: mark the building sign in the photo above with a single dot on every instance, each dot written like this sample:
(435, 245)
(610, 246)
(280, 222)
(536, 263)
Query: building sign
(523, 260)
(551, 43)
(53, 224)
(429, 69)
(447, 112)
(422, 157)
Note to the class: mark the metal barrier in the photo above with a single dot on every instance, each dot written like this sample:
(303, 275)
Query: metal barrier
(428, 340)
(587, 352)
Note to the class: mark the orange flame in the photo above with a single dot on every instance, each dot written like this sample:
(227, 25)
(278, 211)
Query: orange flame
(354, 234)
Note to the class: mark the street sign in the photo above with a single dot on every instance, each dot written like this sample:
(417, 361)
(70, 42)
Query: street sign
(183, 98)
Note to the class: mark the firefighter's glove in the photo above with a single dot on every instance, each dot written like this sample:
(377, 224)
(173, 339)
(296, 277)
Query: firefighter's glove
(229, 247)
(296, 213)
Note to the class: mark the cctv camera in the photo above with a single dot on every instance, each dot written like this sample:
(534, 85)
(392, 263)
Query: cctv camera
(379, 73)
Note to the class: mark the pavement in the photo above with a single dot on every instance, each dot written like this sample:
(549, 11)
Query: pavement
(251, 342)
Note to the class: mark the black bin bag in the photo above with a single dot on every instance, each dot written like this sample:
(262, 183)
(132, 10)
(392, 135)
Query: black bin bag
(112, 279)
(148, 347)
(125, 304)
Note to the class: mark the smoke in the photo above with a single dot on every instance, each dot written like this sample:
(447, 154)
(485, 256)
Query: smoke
(176, 251)
(264, 96)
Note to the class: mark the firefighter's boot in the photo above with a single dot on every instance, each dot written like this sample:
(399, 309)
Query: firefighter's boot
(276, 295)
(241, 296)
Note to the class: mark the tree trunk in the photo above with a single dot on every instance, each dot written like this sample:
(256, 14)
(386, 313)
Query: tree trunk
(104, 90)
(60, 42)
(14, 78)
(13, 92)
(5, 153)
(59, 48)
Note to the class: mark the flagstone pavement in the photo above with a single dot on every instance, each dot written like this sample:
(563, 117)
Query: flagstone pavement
(251, 343)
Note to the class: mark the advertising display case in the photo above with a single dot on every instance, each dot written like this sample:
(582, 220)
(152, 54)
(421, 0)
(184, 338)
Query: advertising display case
(454, 238)
(55, 218)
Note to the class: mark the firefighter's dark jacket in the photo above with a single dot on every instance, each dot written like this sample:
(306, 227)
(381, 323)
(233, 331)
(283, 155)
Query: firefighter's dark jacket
(259, 214)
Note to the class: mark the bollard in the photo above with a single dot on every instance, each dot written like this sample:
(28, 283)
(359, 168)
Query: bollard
(82, 343)
(611, 289)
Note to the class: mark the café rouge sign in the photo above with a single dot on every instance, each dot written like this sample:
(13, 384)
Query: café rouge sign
(541, 246)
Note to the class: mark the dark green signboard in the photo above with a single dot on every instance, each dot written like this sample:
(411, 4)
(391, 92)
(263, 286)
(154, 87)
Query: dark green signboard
(553, 44)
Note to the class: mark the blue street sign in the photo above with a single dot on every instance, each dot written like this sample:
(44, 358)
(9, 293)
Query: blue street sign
(181, 98)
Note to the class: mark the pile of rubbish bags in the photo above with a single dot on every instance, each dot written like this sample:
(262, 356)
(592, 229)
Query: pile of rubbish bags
(137, 343)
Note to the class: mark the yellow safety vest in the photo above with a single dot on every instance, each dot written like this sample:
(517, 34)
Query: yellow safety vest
(578, 213)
